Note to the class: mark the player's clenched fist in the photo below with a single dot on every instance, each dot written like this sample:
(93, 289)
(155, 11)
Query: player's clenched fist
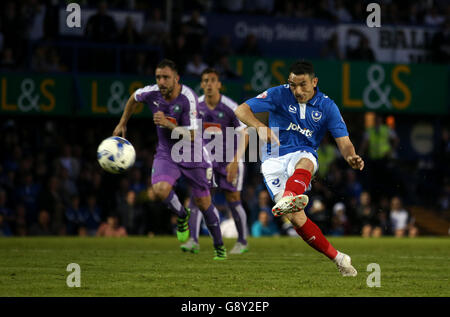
(356, 162)
(159, 118)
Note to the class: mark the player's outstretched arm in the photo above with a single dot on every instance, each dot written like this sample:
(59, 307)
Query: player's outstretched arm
(246, 115)
(121, 128)
(348, 152)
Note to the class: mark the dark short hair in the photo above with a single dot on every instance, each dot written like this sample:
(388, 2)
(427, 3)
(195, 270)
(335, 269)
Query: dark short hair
(210, 70)
(302, 67)
(168, 63)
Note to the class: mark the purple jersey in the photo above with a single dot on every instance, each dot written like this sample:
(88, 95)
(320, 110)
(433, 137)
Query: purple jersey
(215, 121)
(181, 111)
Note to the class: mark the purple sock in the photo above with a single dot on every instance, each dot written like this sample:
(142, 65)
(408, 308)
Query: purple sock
(194, 221)
(240, 219)
(213, 224)
(174, 204)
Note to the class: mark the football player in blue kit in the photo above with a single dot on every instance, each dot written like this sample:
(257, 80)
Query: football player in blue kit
(302, 114)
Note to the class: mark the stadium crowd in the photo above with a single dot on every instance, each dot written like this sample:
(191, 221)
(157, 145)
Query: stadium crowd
(51, 183)
(29, 37)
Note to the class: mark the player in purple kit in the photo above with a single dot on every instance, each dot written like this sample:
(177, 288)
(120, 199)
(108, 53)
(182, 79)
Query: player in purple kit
(217, 113)
(174, 106)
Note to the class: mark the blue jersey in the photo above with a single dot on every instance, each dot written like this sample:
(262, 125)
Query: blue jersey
(301, 126)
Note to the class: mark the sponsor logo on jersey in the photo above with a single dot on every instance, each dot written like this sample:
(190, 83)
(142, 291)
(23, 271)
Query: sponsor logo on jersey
(292, 109)
(305, 132)
(316, 115)
(262, 95)
(212, 128)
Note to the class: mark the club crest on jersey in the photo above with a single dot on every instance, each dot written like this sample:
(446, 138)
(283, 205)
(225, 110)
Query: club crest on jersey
(292, 109)
(176, 108)
(262, 95)
(316, 115)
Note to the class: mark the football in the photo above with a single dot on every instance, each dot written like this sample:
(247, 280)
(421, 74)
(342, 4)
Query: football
(116, 155)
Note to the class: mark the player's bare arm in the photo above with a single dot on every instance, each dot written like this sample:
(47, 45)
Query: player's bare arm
(121, 128)
(348, 152)
(246, 115)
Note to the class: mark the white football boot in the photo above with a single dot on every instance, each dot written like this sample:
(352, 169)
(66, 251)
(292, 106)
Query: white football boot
(344, 264)
(290, 204)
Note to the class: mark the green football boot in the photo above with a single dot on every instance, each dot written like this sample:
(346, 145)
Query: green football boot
(190, 246)
(220, 253)
(183, 227)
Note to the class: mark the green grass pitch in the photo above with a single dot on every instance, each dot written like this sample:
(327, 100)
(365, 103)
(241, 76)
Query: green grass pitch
(274, 267)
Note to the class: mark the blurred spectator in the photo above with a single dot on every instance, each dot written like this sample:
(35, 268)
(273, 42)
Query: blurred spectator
(401, 220)
(28, 193)
(21, 221)
(250, 46)
(155, 29)
(5, 230)
(173, 50)
(129, 34)
(232, 6)
(264, 226)
(341, 13)
(440, 44)
(259, 6)
(73, 216)
(354, 187)
(91, 216)
(69, 162)
(368, 221)
(130, 215)
(39, 60)
(339, 221)
(7, 61)
(224, 68)
(5, 211)
(433, 18)
(318, 214)
(331, 49)
(323, 11)
(137, 184)
(34, 15)
(51, 197)
(101, 27)
(43, 226)
(220, 48)
(195, 66)
(379, 142)
(362, 51)
(111, 228)
(327, 154)
(264, 203)
(195, 31)
(54, 62)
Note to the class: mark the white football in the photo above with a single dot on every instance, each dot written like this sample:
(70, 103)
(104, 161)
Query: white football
(116, 155)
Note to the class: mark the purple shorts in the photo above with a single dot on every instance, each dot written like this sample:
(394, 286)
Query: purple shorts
(220, 177)
(199, 178)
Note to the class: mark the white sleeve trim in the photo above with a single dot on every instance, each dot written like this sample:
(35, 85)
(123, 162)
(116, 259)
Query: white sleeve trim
(192, 107)
(148, 88)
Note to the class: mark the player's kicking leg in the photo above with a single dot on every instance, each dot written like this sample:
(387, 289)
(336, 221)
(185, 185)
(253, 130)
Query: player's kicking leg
(292, 205)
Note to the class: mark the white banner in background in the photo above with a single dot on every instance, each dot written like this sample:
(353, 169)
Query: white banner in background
(390, 44)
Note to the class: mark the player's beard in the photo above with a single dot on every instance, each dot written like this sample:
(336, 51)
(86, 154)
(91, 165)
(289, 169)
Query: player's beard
(166, 92)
